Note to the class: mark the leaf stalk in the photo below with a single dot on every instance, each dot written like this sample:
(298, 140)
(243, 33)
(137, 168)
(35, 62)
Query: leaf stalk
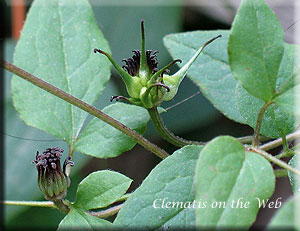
(258, 124)
(274, 160)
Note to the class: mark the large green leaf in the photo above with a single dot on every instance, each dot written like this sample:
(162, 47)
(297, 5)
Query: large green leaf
(211, 72)
(285, 218)
(226, 176)
(103, 141)
(79, 220)
(57, 45)
(100, 189)
(295, 179)
(170, 183)
(255, 48)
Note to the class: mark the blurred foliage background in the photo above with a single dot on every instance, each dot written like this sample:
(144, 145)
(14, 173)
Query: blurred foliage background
(194, 119)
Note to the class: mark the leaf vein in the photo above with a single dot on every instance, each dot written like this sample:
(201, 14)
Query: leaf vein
(66, 68)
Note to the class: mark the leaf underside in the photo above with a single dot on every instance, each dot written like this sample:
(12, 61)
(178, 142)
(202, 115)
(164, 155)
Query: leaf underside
(56, 45)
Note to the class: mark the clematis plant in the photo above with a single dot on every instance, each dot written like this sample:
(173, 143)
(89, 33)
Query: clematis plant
(147, 85)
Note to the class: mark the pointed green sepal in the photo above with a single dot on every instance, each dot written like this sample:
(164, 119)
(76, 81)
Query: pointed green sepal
(133, 84)
(144, 69)
(174, 81)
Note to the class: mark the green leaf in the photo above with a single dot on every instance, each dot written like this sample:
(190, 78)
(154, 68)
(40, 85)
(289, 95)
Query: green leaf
(170, 181)
(288, 88)
(79, 220)
(288, 101)
(295, 179)
(226, 173)
(285, 217)
(256, 48)
(101, 140)
(217, 82)
(289, 68)
(100, 189)
(277, 122)
(57, 45)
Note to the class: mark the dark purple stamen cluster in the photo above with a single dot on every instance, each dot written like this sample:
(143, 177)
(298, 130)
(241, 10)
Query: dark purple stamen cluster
(132, 65)
(50, 159)
(152, 60)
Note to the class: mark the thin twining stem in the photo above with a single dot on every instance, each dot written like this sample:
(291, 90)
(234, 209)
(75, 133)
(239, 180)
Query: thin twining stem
(108, 212)
(274, 160)
(276, 143)
(48, 204)
(182, 101)
(86, 107)
(59, 204)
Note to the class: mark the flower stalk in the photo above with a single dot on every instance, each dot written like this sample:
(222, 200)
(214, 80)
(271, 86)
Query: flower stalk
(165, 133)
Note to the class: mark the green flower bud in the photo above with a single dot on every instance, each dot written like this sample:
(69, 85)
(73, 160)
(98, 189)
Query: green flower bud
(146, 85)
(52, 181)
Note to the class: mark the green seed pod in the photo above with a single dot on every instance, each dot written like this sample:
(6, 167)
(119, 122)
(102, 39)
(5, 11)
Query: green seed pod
(52, 181)
(146, 85)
